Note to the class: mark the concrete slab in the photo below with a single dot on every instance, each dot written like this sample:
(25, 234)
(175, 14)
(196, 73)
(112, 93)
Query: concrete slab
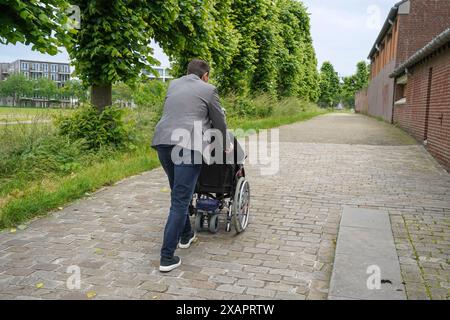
(364, 241)
(351, 275)
(365, 218)
(340, 298)
(366, 265)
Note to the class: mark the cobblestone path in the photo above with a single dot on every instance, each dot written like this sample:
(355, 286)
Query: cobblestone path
(114, 236)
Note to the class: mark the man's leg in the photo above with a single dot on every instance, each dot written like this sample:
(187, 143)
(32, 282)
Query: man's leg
(165, 158)
(185, 179)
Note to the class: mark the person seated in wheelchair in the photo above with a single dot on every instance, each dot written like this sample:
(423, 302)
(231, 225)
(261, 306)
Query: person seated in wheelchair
(222, 186)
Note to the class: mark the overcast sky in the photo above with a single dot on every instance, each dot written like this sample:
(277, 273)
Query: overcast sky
(343, 32)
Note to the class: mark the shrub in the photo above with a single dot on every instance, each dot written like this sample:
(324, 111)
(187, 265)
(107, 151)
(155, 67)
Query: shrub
(97, 130)
(150, 95)
(260, 107)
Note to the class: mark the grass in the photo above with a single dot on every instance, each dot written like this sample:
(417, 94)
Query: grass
(40, 197)
(9, 114)
(40, 172)
(273, 122)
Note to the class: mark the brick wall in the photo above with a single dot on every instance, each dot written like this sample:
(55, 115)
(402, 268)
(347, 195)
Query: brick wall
(412, 115)
(362, 102)
(381, 93)
(427, 18)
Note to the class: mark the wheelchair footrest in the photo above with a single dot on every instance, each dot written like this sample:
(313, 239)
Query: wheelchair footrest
(208, 205)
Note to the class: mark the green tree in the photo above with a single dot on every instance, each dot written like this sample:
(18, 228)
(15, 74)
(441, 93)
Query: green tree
(47, 89)
(348, 91)
(298, 74)
(75, 90)
(40, 23)
(150, 94)
(265, 76)
(122, 94)
(354, 83)
(329, 86)
(113, 45)
(362, 75)
(16, 86)
(247, 18)
(195, 29)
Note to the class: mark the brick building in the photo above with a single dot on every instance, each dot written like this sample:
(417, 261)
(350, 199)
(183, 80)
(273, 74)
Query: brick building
(410, 25)
(422, 95)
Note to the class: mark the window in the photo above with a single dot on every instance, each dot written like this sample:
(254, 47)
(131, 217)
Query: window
(53, 76)
(26, 74)
(54, 68)
(24, 66)
(45, 75)
(400, 90)
(44, 67)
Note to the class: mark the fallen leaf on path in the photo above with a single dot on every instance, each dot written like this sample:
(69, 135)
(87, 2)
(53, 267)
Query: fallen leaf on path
(39, 285)
(13, 230)
(91, 294)
(164, 190)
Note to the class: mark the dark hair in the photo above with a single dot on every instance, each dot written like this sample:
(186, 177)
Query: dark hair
(198, 67)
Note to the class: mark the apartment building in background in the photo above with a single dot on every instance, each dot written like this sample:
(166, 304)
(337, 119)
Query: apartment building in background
(33, 69)
(163, 74)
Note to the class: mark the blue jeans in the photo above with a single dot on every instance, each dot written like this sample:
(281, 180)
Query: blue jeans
(182, 180)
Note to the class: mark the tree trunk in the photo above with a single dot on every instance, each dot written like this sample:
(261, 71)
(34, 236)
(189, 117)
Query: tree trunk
(101, 96)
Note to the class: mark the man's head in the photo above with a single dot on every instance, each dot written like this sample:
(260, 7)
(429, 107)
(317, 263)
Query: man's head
(199, 68)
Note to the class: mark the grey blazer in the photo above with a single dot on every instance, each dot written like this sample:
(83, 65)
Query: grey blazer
(189, 100)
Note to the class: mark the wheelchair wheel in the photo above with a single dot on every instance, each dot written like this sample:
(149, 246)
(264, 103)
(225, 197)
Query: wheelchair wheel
(213, 223)
(199, 222)
(241, 205)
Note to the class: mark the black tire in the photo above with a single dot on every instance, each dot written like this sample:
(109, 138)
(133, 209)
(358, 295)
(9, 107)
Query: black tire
(199, 221)
(241, 205)
(213, 223)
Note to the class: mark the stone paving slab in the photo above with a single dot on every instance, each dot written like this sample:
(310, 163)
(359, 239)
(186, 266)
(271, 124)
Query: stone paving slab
(365, 245)
(114, 236)
(349, 280)
(365, 218)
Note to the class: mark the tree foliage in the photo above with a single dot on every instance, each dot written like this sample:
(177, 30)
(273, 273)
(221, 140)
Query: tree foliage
(46, 88)
(74, 90)
(16, 86)
(298, 74)
(329, 86)
(354, 83)
(253, 46)
(40, 23)
(114, 42)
